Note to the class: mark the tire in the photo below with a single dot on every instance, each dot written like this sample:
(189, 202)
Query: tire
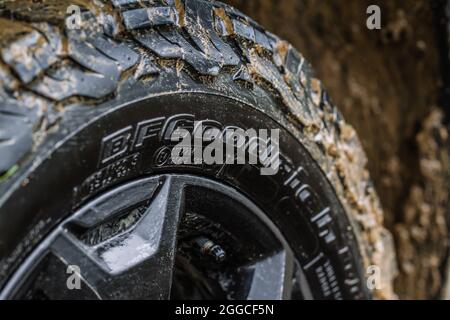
(70, 95)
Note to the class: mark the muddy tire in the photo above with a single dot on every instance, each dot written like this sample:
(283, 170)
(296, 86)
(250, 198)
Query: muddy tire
(86, 102)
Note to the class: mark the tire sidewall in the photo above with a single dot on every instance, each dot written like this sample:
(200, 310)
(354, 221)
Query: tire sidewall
(72, 167)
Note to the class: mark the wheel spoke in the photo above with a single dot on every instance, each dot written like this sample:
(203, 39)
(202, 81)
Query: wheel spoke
(123, 244)
(272, 277)
(134, 264)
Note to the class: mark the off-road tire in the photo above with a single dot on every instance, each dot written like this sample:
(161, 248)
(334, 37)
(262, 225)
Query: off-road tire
(57, 78)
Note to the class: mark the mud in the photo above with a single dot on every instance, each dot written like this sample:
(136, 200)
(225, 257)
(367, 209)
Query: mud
(44, 10)
(421, 235)
(385, 82)
(11, 30)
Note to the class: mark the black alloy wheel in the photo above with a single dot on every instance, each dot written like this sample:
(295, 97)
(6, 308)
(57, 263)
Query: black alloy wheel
(181, 237)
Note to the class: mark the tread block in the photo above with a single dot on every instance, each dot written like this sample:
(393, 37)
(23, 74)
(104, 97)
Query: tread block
(200, 26)
(15, 134)
(119, 52)
(28, 57)
(149, 17)
(92, 59)
(293, 61)
(170, 44)
(69, 80)
(125, 4)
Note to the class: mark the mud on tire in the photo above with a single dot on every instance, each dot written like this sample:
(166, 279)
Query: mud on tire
(55, 80)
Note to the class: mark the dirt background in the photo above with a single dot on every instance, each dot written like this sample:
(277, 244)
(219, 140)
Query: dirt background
(388, 84)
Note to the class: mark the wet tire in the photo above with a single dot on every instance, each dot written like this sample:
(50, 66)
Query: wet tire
(85, 107)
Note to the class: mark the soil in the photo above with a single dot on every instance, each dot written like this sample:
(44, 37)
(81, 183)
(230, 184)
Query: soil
(387, 84)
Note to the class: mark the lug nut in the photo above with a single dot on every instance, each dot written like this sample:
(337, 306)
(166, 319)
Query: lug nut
(207, 247)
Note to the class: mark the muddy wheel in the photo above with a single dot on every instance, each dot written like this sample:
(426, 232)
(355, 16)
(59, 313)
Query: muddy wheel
(90, 187)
